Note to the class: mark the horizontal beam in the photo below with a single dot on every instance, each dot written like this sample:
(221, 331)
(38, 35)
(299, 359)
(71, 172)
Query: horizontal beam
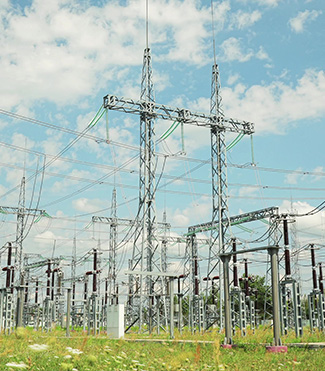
(129, 222)
(17, 210)
(41, 263)
(158, 274)
(121, 221)
(237, 219)
(160, 111)
(253, 249)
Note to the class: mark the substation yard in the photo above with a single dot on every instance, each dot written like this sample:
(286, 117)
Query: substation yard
(133, 254)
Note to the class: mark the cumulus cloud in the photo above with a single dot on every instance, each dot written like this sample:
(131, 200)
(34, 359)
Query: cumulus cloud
(293, 178)
(297, 24)
(270, 3)
(61, 51)
(87, 205)
(273, 107)
(319, 173)
(243, 19)
(198, 211)
(232, 51)
(266, 3)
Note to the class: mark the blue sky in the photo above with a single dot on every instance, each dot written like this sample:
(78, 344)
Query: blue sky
(59, 58)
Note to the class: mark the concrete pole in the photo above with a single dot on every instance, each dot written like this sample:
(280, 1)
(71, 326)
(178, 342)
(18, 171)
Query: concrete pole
(68, 312)
(225, 260)
(273, 251)
(171, 293)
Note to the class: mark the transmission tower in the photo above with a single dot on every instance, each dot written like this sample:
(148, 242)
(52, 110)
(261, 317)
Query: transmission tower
(219, 184)
(146, 255)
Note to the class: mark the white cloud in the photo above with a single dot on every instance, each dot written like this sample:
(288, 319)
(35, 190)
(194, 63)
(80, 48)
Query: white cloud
(271, 3)
(247, 191)
(262, 54)
(293, 178)
(321, 171)
(220, 13)
(243, 20)
(47, 235)
(272, 107)
(87, 205)
(233, 79)
(232, 51)
(198, 211)
(297, 24)
(60, 52)
(268, 3)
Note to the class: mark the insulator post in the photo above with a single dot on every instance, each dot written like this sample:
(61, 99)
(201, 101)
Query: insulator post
(95, 272)
(285, 232)
(320, 278)
(313, 265)
(287, 262)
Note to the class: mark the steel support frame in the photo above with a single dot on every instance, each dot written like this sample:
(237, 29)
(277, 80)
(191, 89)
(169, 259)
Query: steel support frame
(146, 253)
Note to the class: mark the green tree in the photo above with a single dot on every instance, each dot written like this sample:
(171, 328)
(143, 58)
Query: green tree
(261, 293)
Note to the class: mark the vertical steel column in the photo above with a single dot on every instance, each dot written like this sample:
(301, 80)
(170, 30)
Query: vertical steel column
(20, 228)
(73, 280)
(219, 183)
(112, 249)
(146, 254)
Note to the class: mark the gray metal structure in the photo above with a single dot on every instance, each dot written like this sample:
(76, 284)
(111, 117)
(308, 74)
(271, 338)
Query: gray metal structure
(212, 316)
(149, 110)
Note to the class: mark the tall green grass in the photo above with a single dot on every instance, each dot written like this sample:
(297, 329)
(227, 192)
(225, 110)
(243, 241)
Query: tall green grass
(30, 350)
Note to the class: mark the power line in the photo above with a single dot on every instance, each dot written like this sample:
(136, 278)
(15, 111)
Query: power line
(247, 166)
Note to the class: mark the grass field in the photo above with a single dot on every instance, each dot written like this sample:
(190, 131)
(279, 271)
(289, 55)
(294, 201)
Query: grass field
(30, 350)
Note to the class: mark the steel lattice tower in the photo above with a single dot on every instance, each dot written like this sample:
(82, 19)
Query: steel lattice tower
(146, 256)
(219, 182)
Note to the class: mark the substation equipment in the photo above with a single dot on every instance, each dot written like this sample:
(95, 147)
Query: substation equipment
(200, 301)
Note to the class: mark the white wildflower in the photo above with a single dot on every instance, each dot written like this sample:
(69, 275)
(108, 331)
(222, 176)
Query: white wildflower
(74, 351)
(16, 365)
(38, 347)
